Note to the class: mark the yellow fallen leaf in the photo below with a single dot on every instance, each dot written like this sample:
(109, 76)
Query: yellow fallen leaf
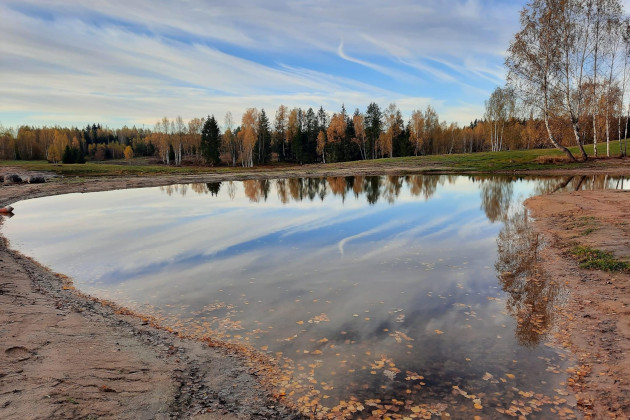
(439, 332)
(300, 322)
(509, 375)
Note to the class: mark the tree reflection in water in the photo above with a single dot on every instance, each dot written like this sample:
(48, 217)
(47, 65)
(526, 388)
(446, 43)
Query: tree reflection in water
(531, 294)
(496, 191)
(496, 196)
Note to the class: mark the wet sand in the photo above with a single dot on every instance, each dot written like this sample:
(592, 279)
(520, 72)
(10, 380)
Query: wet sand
(595, 321)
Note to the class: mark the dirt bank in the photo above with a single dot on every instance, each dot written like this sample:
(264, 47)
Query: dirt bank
(596, 318)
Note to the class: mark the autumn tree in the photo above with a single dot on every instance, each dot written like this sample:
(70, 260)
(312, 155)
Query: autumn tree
(416, 131)
(359, 133)
(335, 133)
(192, 140)
(321, 145)
(500, 108)
(230, 141)
(128, 154)
(56, 149)
(535, 61)
(178, 131)
(248, 135)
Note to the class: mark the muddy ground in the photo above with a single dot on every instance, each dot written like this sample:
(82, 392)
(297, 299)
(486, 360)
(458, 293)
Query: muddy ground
(595, 320)
(64, 355)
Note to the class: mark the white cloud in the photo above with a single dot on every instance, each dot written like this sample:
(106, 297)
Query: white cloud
(115, 60)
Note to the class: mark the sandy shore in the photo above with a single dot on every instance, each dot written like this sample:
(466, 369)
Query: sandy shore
(595, 320)
(64, 355)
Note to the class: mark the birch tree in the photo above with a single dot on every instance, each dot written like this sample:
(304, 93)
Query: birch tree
(534, 62)
(416, 131)
(248, 136)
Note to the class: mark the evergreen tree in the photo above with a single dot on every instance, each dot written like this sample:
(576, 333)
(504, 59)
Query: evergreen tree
(373, 127)
(210, 140)
(213, 187)
(67, 155)
(262, 151)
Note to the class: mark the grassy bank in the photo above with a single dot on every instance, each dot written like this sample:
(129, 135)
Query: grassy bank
(487, 162)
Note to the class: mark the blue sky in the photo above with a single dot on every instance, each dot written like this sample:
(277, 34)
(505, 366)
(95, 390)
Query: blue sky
(131, 62)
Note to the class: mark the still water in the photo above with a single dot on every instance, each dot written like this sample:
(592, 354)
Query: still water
(375, 296)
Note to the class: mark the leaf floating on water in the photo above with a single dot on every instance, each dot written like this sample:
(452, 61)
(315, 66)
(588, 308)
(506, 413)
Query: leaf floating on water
(438, 332)
(399, 336)
(319, 318)
(413, 376)
(300, 322)
(509, 375)
(487, 376)
(264, 348)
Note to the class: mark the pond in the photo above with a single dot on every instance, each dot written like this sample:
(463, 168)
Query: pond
(400, 296)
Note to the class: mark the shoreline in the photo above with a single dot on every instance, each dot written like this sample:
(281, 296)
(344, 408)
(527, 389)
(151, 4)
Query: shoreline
(594, 322)
(187, 378)
(69, 355)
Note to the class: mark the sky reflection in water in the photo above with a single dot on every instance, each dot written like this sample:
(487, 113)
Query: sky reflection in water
(370, 287)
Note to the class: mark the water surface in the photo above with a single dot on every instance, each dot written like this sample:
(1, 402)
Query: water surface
(383, 296)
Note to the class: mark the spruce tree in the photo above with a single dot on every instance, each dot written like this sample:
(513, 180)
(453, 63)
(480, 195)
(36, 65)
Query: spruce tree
(210, 140)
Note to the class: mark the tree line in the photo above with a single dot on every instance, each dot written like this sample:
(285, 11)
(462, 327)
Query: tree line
(291, 135)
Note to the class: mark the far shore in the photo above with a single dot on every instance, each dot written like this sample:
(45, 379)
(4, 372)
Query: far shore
(66, 355)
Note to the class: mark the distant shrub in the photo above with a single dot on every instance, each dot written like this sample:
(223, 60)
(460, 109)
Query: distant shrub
(548, 159)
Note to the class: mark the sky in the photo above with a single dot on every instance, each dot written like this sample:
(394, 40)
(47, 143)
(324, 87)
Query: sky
(122, 62)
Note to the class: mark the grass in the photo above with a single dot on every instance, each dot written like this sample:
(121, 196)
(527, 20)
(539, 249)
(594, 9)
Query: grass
(486, 162)
(112, 169)
(598, 260)
(589, 223)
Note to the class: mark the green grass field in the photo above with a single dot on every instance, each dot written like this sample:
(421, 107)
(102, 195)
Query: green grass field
(486, 162)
